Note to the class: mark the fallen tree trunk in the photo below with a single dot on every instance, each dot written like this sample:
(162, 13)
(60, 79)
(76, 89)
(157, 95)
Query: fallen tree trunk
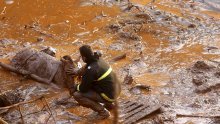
(24, 72)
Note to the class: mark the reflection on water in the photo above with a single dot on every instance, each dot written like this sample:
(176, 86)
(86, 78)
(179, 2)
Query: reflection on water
(9, 1)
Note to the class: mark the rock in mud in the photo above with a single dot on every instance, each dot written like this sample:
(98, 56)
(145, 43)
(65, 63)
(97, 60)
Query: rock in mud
(199, 80)
(191, 26)
(128, 79)
(217, 74)
(144, 16)
(139, 87)
(201, 65)
(40, 39)
(50, 51)
(116, 46)
(130, 35)
(6, 42)
(115, 27)
(10, 97)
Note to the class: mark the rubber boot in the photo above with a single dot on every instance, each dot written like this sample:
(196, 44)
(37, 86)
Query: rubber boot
(109, 106)
(85, 102)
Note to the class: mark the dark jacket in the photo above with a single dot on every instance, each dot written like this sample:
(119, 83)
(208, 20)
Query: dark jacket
(95, 70)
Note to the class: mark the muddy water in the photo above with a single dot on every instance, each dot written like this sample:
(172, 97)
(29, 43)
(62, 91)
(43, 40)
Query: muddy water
(67, 24)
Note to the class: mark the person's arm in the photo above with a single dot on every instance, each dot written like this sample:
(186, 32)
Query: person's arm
(87, 79)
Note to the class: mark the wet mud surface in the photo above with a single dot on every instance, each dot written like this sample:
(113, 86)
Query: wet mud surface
(167, 51)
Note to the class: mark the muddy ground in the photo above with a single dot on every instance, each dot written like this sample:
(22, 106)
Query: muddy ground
(171, 46)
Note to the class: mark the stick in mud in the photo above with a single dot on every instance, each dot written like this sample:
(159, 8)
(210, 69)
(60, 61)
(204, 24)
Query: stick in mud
(197, 116)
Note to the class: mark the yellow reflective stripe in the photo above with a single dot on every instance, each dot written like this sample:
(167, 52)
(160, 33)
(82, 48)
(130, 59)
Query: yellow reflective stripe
(75, 64)
(107, 98)
(78, 87)
(105, 74)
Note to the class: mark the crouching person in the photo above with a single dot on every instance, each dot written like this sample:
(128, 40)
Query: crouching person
(99, 84)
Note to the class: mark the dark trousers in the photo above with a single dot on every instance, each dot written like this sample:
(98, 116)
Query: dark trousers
(92, 99)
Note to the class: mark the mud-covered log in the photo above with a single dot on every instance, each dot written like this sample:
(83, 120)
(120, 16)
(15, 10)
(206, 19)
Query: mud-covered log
(24, 72)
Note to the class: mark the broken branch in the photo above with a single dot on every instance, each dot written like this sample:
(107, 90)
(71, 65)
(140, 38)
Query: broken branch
(20, 103)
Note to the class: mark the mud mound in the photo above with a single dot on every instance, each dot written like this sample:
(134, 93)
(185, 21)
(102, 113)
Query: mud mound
(205, 76)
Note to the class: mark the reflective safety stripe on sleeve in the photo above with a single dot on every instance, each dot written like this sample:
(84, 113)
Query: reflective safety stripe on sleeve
(107, 98)
(78, 87)
(105, 74)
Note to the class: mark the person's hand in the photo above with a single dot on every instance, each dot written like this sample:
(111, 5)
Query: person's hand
(72, 71)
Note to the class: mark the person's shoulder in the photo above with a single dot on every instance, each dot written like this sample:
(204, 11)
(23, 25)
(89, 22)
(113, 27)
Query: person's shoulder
(92, 66)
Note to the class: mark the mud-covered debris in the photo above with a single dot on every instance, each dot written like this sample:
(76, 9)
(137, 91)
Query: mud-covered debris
(144, 16)
(27, 44)
(6, 42)
(10, 97)
(115, 27)
(86, 3)
(217, 74)
(50, 51)
(128, 79)
(195, 105)
(199, 80)
(207, 88)
(129, 35)
(132, 21)
(83, 33)
(141, 86)
(191, 26)
(119, 57)
(157, 13)
(138, 88)
(201, 65)
(116, 46)
(40, 39)
(167, 18)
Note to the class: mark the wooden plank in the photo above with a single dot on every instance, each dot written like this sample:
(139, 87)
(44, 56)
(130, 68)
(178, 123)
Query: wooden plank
(133, 107)
(141, 114)
(128, 104)
(127, 115)
(121, 104)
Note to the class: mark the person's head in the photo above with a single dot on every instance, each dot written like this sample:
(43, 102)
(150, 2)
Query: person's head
(87, 54)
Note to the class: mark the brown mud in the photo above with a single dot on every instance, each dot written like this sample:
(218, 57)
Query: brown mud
(162, 40)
